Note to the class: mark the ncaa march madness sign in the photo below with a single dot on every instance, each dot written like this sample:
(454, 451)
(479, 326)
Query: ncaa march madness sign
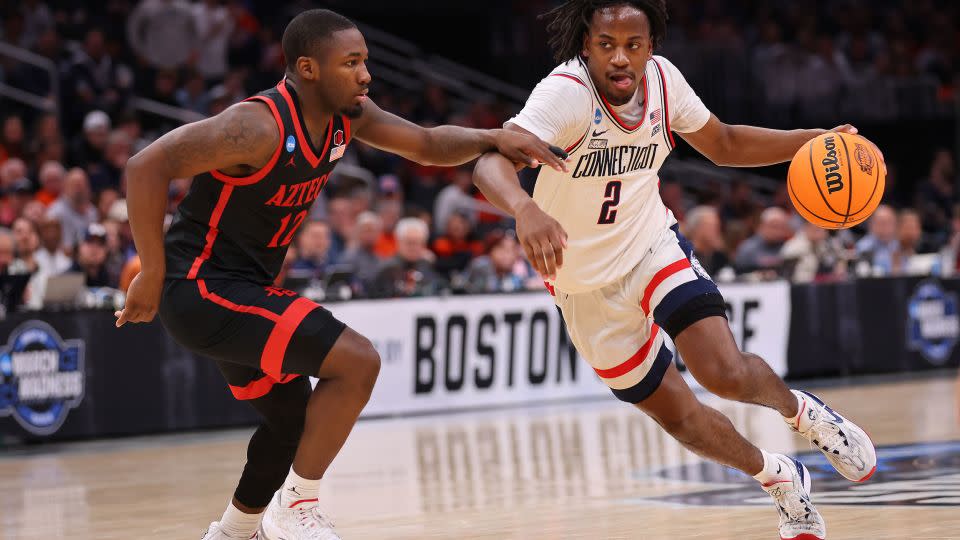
(41, 377)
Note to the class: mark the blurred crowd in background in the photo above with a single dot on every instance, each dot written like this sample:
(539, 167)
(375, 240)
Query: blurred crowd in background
(388, 227)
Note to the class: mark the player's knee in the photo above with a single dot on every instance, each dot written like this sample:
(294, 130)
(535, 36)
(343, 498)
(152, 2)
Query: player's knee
(366, 366)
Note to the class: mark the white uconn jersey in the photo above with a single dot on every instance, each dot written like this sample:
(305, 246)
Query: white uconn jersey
(609, 200)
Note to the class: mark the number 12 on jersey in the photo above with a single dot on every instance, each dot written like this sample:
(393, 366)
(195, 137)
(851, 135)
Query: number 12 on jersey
(297, 221)
(608, 211)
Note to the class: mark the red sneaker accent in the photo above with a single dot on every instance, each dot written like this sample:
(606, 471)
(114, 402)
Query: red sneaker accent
(803, 536)
(867, 477)
(301, 501)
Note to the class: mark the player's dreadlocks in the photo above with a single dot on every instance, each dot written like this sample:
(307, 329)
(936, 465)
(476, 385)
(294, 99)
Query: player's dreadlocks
(569, 22)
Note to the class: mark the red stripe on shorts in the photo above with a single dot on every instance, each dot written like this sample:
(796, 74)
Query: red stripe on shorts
(658, 278)
(223, 302)
(633, 361)
(271, 361)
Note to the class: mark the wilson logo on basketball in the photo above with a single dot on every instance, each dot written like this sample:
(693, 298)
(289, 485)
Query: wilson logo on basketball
(831, 164)
(864, 159)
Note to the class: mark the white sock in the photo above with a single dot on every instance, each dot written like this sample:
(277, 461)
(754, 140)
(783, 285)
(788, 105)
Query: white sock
(299, 491)
(237, 524)
(771, 466)
(802, 405)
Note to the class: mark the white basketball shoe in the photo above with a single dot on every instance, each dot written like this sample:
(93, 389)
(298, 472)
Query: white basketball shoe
(847, 447)
(799, 520)
(298, 523)
(215, 533)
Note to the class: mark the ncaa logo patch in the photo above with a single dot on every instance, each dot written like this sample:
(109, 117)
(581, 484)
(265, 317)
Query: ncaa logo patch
(933, 324)
(291, 144)
(41, 377)
(596, 116)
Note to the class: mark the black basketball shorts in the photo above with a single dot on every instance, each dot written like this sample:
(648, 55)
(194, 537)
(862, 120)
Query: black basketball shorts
(259, 336)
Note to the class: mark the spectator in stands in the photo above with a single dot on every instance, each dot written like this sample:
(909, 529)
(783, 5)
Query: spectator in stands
(214, 26)
(193, 95)
(51, 182)
(26, 238)
(879, 245)
(410, 272)
(164, 33)
(12, 143)
(502, 269)
(73, 209)
(761, 252)
(342, 220)
(456, 248)
(50, 257)
(12, 171)
(34, 211)
(108, 173)
(740, 204)
(702, 228)
(92, 257)
(909, 235)
(936, 197)
(812, 254)
(94, 81)
(14, 201)
(7, 253)
(313, 251)
(88, 148)
(360, 256)
(455, 198)
(389, 211)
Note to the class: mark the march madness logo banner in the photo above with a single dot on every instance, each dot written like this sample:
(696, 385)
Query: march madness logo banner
(41, 377)
(933, 322)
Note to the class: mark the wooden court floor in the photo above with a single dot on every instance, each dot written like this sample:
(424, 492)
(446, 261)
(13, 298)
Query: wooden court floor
(594, 470)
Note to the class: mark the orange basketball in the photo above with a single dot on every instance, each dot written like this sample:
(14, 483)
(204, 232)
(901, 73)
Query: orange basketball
(836, 180)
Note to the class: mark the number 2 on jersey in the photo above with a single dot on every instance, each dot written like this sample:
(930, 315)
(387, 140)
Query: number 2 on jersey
(608, 212)
(293, 229)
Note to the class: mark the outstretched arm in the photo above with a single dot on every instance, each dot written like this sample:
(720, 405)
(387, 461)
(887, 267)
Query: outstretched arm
(241, 138)
(749, 146)
(448, 145)
(542, 237)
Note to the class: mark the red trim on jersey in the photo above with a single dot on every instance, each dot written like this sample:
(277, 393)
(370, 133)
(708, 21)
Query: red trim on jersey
(571, 77)
(258, 175)
(576, 144)
(223, 302)
(258, 388)
(666, 105)
(212, 231)
(313, 159)
(346, 128)
(613, 114)
(253, 390)
(658, 278)
(271, 361)
(629, 364)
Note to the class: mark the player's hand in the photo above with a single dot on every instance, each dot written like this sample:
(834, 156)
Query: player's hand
(543, 239)
(528, 150)
(143, 299)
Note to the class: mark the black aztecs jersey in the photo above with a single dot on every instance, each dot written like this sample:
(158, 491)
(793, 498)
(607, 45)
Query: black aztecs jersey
(239, 228)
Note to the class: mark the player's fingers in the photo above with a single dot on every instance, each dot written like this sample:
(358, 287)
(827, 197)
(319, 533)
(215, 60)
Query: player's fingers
(531, 255)
(846, 128)
(562, 233)
(558, 252)
(547, 156)
(549, 260)
(121, 317)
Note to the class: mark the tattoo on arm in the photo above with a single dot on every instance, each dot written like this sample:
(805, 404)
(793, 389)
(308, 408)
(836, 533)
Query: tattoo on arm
(205, 145)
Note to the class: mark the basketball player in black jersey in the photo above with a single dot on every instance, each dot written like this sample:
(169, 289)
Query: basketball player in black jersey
(257, 169)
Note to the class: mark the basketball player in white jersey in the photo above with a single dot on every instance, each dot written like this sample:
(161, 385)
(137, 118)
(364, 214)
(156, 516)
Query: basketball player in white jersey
(620, 271)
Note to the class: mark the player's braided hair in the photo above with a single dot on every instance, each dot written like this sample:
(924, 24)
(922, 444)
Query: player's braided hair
(569, 22)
